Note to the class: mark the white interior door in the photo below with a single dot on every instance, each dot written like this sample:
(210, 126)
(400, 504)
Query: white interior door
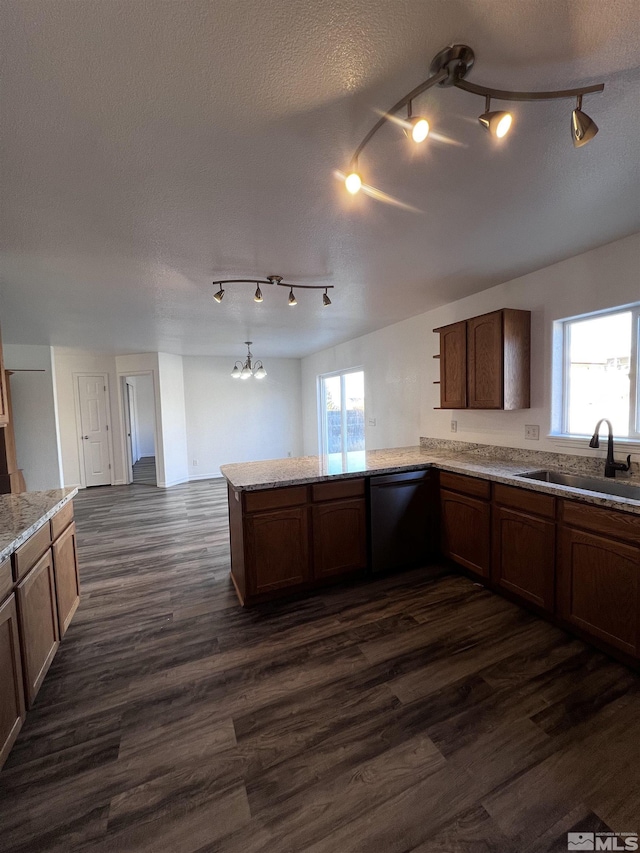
(92, 396)
(133, 422)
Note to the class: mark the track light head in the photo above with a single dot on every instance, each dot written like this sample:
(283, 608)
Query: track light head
(498, 122)
(218, 296)
(353, 182)
(325, 298)
(419, 129)
(258, 294)
(583, 128)
(292, 299)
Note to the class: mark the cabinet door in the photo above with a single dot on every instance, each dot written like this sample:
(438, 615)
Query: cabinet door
(12, 710)
(524, 556)
(65, 566)
(453, 366)
(339, 537)
(4, 400)
(484, 361)
(465, 529)
(598, 588)
(38, 618)
(278, 549)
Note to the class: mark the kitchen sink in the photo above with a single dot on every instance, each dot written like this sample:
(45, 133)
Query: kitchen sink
(593, 484)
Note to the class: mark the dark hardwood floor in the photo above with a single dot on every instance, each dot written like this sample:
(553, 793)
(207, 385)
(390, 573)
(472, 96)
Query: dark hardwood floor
(414, 713)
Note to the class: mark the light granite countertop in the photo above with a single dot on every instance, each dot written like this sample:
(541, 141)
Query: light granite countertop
(21, 515)
(248, 476)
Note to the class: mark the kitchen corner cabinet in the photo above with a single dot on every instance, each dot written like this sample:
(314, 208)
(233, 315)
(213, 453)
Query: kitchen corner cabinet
(523, 544)
(485, 361)
(290, 538)
(598, 579)
(12, 707)
(465, 517)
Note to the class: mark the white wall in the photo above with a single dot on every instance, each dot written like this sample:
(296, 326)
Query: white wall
(67, 362)
(173, 426)
(34, 415)
(145, 413)
(400, 369)
(233, 420)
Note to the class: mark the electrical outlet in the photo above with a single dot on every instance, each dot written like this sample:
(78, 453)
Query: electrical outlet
(195, 463)
(454, 426)
(532, 432)
(372, 421)
(289, 454)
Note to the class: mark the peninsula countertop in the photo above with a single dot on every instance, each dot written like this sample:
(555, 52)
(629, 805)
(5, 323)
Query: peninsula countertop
(21, 515)
(273, 473)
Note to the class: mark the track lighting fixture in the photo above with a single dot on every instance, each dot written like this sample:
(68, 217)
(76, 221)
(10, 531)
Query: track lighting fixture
(498, 123)
(272, 279)
(247, 369)
(583, 128)
(449, 68)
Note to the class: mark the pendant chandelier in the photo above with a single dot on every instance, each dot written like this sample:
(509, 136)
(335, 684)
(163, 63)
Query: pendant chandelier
(249, 368)
(449, 67)
(272, 279)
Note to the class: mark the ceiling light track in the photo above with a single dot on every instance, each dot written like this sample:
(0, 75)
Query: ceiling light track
(272, 279)
(449, 68)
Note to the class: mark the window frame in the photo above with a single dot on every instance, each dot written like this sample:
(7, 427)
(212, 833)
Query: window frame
(634, 369)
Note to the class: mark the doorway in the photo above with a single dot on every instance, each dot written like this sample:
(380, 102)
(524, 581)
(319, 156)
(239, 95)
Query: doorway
(95, 450)
(341, 406)
(139, 408)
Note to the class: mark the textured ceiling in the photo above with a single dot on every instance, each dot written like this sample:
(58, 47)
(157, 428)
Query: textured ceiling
(150, 146)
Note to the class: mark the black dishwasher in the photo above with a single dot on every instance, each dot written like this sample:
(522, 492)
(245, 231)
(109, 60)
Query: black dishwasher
(402, 510)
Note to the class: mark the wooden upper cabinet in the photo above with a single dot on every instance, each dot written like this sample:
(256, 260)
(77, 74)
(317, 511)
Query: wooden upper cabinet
(4, 401)
(485, 361)
(453, 366)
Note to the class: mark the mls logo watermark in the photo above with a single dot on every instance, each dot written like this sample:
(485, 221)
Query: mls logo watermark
(620, 841)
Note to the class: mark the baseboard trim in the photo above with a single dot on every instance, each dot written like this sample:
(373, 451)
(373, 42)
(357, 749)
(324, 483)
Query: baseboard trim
(195, 477)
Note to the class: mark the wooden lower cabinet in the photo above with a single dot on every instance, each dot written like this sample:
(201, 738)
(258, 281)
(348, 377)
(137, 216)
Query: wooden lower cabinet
(12, 707)
(38, 619)
(523, 560)
(277, 549)
(598, 587)
(466, 531)
(339, 537)
(65, 567)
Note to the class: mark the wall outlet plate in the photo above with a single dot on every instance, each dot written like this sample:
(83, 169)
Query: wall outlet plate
(532, 432)
(454, 426)
(372, 421)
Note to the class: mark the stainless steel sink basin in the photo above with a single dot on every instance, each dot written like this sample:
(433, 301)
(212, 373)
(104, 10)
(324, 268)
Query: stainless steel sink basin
(593, 484)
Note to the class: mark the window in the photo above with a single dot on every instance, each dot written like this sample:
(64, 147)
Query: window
(601, 372)
(341, 405)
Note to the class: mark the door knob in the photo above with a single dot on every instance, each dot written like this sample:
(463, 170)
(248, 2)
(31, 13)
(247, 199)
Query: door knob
(86, 437)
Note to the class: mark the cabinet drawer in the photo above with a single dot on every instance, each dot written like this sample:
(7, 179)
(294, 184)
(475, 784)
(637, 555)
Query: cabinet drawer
(619, 525)
(28, 554)
(61, 520)
(524, 499)
(6, 579)
(335, 490)
(275, 498)
(471, 486)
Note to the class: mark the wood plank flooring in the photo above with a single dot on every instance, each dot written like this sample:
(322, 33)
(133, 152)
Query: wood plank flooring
(144, 471)
(414, 713)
